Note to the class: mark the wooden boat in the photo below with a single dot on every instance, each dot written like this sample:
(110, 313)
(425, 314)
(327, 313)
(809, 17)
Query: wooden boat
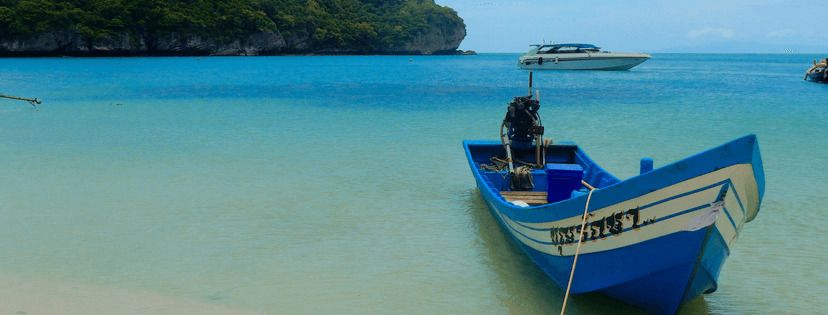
(656, 240)
(819, 72)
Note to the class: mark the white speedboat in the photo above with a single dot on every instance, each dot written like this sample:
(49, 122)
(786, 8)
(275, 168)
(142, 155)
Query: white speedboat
(577, 57)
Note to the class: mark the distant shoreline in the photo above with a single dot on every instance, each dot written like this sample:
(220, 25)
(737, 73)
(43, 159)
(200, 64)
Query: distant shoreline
(7, 54)
(227, 28)
(459, 52)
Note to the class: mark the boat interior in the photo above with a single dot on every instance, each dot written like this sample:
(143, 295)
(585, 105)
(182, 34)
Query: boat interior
(566, 166)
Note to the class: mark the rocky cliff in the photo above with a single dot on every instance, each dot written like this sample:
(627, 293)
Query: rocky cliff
(227, 27)
(70, 43)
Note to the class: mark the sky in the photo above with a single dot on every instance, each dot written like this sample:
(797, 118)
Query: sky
(651, 26)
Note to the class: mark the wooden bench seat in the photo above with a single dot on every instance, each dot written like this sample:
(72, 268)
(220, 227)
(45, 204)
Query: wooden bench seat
(533, 198)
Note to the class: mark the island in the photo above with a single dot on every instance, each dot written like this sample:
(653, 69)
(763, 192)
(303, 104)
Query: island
(228, 28)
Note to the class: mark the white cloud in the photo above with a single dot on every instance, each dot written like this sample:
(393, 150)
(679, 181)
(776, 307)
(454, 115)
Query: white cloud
(721, 32)
(781, 33)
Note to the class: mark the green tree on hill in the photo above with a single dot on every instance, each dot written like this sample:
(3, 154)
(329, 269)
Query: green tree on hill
(359, 25)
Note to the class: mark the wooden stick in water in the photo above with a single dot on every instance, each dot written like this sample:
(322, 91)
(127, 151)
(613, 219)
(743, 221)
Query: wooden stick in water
(30, 100)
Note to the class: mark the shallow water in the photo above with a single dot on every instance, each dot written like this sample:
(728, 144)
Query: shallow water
(307, 185)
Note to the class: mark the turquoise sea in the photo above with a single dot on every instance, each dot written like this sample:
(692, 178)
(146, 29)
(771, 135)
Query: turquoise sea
(338, 184)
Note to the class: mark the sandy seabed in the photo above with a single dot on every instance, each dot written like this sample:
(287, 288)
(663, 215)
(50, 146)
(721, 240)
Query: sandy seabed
(32, 297)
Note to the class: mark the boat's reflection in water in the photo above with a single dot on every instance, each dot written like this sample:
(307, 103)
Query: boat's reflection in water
(524, 287)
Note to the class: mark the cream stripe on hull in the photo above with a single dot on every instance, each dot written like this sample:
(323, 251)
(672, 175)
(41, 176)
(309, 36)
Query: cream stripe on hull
(665, 211)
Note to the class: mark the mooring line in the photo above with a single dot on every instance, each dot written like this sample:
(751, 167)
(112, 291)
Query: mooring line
(578, 248)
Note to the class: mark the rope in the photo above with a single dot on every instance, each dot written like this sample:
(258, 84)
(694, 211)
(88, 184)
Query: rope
(577, 249)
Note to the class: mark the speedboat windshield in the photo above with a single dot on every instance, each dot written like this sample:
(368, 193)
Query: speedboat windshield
(564, 48)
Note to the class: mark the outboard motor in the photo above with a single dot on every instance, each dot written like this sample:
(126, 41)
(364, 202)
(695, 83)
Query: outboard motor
(522, 121)
(521, 127)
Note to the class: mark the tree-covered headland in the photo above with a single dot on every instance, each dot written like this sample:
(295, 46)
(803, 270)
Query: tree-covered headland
(306, 26)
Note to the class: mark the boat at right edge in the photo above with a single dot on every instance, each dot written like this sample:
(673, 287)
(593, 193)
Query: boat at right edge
(819, 72)
(578, 57)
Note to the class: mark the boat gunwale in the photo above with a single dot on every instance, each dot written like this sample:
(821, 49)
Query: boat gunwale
(738, 151)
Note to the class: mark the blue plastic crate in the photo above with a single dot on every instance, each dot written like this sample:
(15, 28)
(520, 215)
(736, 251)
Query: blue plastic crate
(561, 180)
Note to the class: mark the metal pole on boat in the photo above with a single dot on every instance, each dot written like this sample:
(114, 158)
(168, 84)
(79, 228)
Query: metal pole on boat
(540, 149)
(504, 139)
(30, 100)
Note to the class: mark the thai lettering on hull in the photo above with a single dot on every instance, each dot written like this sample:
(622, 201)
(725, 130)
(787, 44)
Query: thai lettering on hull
(594, 230)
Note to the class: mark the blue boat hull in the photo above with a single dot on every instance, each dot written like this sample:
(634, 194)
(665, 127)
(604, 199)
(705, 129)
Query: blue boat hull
(655, 241)
(817, 74)
(817, 77)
